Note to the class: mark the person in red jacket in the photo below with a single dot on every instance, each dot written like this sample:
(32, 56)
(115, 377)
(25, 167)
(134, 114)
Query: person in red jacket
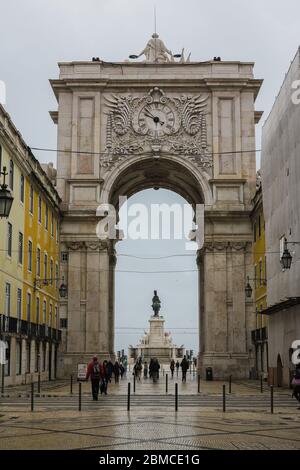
(96, 371)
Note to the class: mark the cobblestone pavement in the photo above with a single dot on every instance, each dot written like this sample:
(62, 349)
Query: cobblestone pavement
(152, 422)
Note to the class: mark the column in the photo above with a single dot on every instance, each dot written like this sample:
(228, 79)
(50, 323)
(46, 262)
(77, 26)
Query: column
(112, 266)
(93, 297)
(104, 296)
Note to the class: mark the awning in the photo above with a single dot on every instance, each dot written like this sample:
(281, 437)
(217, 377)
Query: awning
(283, 305)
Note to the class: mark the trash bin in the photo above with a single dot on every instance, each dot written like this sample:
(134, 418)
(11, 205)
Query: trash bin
(209, 373)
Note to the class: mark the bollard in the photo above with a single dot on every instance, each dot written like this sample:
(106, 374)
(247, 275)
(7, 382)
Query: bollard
(166, 383)
(176, 397)
(230, 384)
(133, 383)
(2, 378)
(39, 383)
(261, 384)
(79, 397)
(71, 384)
(128, 397)
(199, 383)
(272, 399)
(32, 396)
(224, 398)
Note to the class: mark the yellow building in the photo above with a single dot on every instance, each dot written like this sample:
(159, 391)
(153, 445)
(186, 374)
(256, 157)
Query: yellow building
(259, 283)
(29, 262)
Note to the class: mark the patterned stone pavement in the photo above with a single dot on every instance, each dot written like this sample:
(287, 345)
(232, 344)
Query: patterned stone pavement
(156, 426)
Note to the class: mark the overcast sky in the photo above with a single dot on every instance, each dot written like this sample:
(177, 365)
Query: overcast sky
(36, 34)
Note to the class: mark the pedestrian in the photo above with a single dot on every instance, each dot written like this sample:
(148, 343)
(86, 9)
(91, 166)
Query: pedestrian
(296, 384)
(155, 370)
(109, 370)
(122, 370)
(172, 367)
(177, 367)
(117, 372)
(95, 370)
(184, 367)
(138, 369)
(145, 370)
(150, 368)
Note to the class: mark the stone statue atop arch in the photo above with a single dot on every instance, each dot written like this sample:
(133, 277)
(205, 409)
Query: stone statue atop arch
(156, 51)
(156, 304)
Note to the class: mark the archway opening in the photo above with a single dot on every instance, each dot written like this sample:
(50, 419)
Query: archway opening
(156, 255)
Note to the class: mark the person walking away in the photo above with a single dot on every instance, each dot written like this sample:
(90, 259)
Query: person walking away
(95, 370)
(296, 384)
(122, 370)
(155, 370)
(184, 368)
(177, 367)
(105, 380)
(145, 370)
(150, 368)
(117, 371)
(172, 367)
(109, 370)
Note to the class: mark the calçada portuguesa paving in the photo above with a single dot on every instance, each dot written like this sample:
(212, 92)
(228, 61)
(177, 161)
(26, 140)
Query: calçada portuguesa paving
(152, 422)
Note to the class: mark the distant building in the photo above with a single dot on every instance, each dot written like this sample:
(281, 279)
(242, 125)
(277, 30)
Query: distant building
(260, 334)
(281, 199)
(29, 263)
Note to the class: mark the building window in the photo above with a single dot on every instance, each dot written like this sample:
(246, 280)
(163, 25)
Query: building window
(37, 311)
(18, 357)
(46, 218)
(45, 265)
(44, 356)
(11, 175)
(7, 299)
(28, 357)
(56, 276)
(7, 365)
(29, 255)
(19, 304)
(52, 225)
(22, 188)
(64, 323)
(50, 315)
(260, 273)
(28, 307)
(254, 232)
(1, 157)
(9, 239)
(265, 267)
(56, 318)
(38, 262)
(20, 248)
(259, 226)
(40, 209)
(44, 312)
(51, 272)
(255, 276)
(37, 357)
(31, 199)
(57, 231)
(64, 256)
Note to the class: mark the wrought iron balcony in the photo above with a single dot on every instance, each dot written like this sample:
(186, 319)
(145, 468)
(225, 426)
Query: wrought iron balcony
(12, 325)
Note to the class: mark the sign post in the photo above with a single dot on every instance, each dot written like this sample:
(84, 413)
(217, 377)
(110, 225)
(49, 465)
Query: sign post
(81, 372)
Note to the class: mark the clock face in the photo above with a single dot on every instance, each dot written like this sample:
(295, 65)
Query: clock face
(156, 120)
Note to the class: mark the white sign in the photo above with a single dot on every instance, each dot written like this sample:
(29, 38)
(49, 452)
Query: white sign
(3, 348)
(81, 371)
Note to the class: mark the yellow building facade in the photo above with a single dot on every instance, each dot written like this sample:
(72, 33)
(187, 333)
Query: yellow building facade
(29, 263)
(259, 283)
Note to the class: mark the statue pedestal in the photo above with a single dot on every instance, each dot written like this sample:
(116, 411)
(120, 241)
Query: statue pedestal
(157, 343)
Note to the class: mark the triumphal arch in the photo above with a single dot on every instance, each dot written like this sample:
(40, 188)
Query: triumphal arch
(157, 121)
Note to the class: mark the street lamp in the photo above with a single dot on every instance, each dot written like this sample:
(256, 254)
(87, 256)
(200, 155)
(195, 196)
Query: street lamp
(286, 258)
(63, 289)
(6, 198)
(248, 289)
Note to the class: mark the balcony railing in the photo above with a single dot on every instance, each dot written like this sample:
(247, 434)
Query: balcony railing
(12, 325)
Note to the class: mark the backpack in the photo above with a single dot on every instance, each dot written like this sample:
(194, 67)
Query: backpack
(96, 370)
